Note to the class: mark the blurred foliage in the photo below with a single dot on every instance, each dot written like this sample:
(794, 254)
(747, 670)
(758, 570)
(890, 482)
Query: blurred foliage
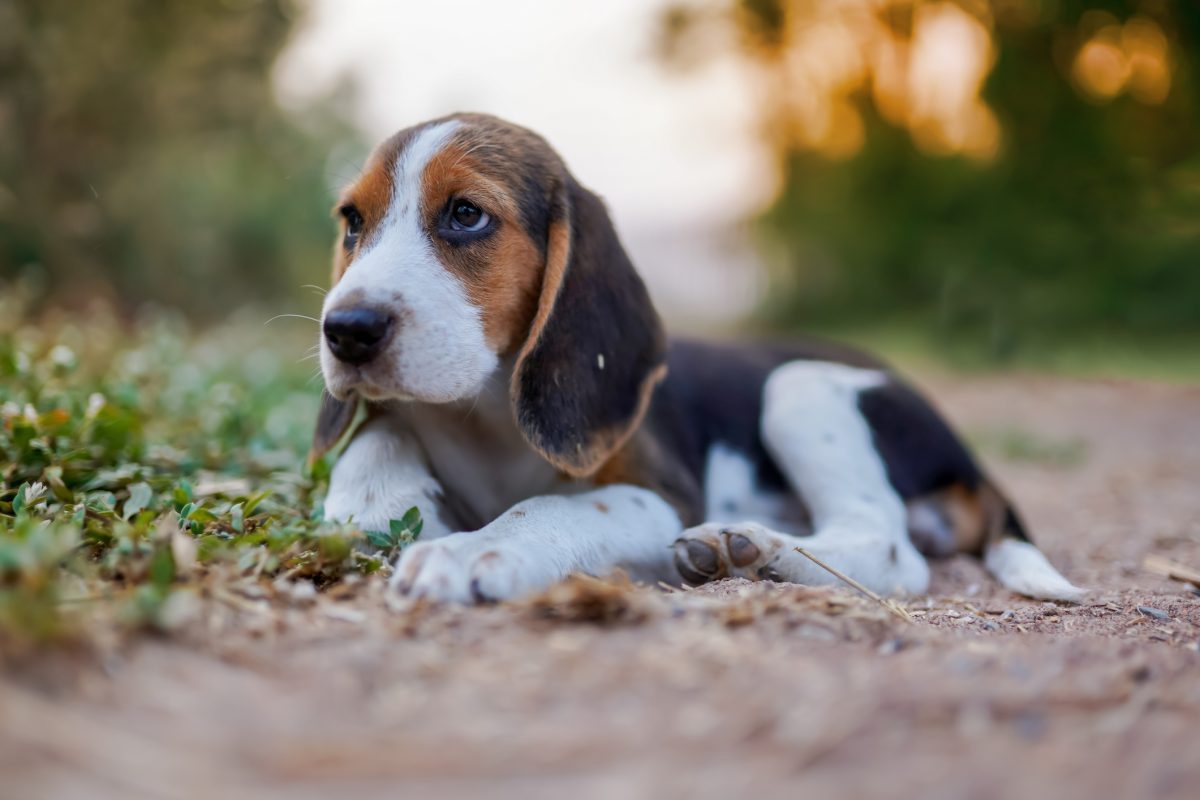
(1082, 221)
(124, 451)
(143, 155)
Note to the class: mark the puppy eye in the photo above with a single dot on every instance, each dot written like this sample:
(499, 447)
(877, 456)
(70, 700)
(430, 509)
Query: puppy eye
(354, 226)
(466, 216)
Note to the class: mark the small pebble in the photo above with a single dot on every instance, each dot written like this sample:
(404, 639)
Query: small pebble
(990, 626)
(300, 592)
(1030, 725)
(1007, 615)
(343, 614)
(1151, 611)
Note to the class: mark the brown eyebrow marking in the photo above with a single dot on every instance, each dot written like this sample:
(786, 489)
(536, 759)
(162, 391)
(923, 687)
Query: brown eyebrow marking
(371, 193)
(456, 169)
(503, 272)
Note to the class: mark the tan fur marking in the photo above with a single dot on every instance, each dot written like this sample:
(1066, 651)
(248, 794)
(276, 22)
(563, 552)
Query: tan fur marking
(603, 443)
(964, 511)
(509, 296)
(500, 274)
(993, 508)
(557, 254)
(371, 194)
(638, 462)
(606, 442)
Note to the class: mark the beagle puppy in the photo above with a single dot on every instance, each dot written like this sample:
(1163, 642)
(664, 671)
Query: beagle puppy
(519, 390)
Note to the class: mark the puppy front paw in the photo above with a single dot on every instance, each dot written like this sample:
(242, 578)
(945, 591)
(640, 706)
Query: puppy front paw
(461, 568)
(713, 551)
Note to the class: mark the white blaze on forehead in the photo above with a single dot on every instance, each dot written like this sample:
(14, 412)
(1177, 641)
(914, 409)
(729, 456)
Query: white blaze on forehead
(439, 352)
(410, 168)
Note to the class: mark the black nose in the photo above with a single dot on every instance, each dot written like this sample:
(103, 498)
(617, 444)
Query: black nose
(356, 335)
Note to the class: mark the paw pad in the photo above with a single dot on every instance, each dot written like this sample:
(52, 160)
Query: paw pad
(742, 551)
(698, 561)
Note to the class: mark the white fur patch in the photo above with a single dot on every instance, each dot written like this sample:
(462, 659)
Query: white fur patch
(439, 352)
(542, 540)
(379, 477)
(732, 493)
(476, 449)
(817, 436)
(1023, 568)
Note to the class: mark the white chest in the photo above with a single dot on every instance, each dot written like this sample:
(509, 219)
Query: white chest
(478, 455)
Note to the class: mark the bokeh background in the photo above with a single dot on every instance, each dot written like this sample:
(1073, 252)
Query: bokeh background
(983, 182)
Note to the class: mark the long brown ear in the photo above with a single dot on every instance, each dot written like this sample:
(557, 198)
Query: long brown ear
(332, 423)
(596, 349)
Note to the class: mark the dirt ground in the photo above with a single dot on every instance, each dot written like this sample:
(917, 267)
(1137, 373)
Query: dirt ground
(598, 691)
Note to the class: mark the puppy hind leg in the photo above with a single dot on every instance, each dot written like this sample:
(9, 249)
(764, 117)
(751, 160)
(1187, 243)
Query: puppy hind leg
(749, 550)
(814, 430)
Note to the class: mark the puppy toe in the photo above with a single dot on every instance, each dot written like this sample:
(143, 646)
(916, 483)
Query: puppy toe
(495, 576)
(441, 577)
(408, 565)
(742, 550)
(698, 561)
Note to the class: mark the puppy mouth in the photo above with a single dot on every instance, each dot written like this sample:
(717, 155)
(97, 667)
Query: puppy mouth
(378, 394)
(384, 380)
(350, 380)
(345, 380)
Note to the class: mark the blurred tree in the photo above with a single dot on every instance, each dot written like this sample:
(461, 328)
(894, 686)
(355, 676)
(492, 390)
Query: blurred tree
(143, 155)
(1005, 173)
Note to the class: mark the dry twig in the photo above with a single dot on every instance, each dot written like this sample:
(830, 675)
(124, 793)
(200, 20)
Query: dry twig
(890, 605)
(1160, 565)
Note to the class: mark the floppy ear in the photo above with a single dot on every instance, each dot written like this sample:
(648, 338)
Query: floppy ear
(332, 423)
(595, 350)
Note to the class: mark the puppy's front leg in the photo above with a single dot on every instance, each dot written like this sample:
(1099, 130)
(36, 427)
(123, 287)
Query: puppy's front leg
(542, 540)
(379, 477)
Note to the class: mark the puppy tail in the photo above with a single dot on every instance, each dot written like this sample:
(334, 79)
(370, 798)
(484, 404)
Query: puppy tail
(1014, 560)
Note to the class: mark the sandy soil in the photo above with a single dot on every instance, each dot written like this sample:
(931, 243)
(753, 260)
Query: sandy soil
(597, 691)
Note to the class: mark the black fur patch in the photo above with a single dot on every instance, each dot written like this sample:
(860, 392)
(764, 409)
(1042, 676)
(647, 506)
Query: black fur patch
(536, 210)
(332, 423)
(921, 452)
(713, 394)
(579, 387)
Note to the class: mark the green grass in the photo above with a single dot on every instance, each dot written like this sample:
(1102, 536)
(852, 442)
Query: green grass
(1024, 447)
(119, 442)
(126, 444)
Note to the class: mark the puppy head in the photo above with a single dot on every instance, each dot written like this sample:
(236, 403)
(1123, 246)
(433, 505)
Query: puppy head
(466, 242)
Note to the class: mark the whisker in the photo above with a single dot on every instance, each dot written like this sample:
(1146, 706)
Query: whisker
(344, 174)
(315, 288)
(297, 316)
(475, 403)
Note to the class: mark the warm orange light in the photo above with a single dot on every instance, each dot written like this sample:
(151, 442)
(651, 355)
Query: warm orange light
(1150, 69)
(1133, 57)
(929, 83)
(951, 56)
(1101, 68)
